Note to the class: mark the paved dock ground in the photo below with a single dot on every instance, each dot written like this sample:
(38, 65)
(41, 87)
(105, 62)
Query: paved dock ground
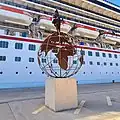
(97, 102)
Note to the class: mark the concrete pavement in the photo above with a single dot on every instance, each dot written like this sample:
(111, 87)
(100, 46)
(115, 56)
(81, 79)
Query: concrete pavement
(19, 104)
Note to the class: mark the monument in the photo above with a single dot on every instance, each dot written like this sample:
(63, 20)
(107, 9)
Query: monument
(59, 60)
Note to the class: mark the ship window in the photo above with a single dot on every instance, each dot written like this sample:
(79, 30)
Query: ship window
(54, 61)
(18, 59)
(91, 63)
(111, 64)
(110, 55)
(115, 55)
(83, 62)
(103, 54)
(89, 53)
(105, 63)
(3, 44)
(43, 60)
(98, 63)
(32, 47)
(74, 62)
(116, 64)
(2, 58)
(18, 45)
(97, 54)
(82, 52)
(31, 59)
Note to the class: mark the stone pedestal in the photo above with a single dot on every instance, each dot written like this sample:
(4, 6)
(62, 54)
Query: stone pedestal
(61, 94)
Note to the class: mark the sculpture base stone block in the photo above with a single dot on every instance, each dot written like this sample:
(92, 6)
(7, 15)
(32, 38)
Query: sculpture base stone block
(61, 94)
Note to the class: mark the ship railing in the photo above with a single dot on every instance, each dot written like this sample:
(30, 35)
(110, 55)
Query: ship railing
(49, 13)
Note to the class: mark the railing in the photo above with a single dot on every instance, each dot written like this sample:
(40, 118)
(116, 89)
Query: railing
(49, 13)
(60, 8)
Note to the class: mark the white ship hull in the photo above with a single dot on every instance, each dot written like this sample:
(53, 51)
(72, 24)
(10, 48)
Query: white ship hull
(87, 74)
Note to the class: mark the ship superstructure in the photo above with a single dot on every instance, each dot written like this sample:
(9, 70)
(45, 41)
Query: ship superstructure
(25, 23)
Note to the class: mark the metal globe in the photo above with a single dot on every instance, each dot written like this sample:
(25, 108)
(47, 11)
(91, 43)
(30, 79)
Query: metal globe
(58, 57)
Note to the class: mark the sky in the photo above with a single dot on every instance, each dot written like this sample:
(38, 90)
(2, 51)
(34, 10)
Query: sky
(115, 2)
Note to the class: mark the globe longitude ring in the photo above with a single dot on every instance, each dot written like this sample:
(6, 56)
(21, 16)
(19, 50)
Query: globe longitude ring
(57, 56)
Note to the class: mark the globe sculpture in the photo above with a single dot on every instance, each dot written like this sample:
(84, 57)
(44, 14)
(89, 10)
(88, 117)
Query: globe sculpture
(58, 57)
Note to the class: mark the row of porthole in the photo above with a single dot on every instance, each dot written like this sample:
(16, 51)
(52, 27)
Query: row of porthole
(105, 72)
(16, 72)
(43, 72)
(4, 44)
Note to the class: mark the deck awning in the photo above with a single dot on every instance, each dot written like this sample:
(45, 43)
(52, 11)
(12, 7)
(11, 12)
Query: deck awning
(94, 7)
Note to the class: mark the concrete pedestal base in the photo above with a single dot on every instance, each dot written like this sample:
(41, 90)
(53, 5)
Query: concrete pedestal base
(61, 93)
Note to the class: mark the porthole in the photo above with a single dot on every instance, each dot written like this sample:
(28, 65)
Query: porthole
(91, 72)
(115, 55)
(110, 55)
(112, 72)
(83, 72)
(89, 53)
(30, 72)
(91, 63)
(42, 72)
(74, 62)
(26, 67)
(82, 52)
(16, 72)
(106, 72)
(3, 44)
(98, 63)
(54, 61)
(97, 54)
(105, 63)
(1, 72)
(103, 54)
(18, 45)
(111, 64)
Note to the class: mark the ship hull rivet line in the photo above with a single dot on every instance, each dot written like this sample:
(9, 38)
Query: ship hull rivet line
(77, 111)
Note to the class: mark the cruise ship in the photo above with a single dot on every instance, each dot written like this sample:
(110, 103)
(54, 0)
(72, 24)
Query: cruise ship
(24, 24)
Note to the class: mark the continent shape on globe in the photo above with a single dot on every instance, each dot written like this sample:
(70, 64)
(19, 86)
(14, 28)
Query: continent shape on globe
(65, 50)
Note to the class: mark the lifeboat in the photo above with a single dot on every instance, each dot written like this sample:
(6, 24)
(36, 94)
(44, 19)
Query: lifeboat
(85, 31)
(46, 23)
(110, 38)
(65, 27)
(13, 15)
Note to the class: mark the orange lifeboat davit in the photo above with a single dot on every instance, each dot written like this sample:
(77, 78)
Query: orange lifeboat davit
(13, 15)
(85, 31)
(46, 23)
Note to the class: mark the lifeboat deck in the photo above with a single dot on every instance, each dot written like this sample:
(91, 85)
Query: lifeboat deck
(101, 102)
